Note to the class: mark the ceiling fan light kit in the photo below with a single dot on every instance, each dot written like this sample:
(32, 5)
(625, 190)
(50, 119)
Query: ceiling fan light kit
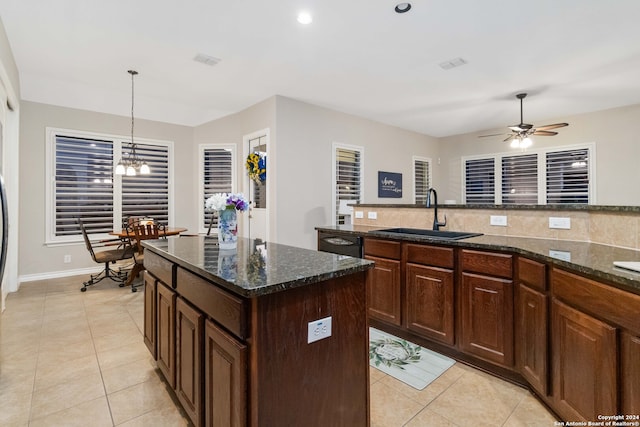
(521, 133)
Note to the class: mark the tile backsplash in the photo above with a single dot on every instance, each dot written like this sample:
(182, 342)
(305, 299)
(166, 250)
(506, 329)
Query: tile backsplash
(620, 229)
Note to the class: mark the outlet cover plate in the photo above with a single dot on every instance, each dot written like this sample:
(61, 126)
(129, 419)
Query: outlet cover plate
(560, 222)
(319, 329)
(500, 220)
(372, 215)
(359, 214)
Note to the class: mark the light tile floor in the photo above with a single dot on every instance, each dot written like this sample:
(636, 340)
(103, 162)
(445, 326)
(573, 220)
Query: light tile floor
(71, 358)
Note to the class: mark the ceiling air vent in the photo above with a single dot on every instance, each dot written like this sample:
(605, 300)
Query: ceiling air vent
(452, 63)
(206, 59)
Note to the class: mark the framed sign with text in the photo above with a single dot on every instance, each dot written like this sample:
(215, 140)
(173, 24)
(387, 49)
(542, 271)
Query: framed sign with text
(389, 184)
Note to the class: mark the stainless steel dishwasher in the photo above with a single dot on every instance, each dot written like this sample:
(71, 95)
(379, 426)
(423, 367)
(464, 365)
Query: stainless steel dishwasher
(342, 244)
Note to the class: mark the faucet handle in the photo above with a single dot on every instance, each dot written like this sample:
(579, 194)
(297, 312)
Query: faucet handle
(443, 224)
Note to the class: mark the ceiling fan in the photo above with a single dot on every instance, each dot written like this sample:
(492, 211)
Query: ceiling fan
(520, 133)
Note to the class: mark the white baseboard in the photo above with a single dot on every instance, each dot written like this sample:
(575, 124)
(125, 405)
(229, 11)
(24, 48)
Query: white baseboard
(58, 274)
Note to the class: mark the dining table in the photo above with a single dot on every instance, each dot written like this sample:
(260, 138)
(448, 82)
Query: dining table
(124, 234)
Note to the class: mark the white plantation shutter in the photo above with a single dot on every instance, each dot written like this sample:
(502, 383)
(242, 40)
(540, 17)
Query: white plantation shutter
(348, 177)
(562, 175)
(568, 176)
(520, 179)
(421, 179)
(81, 169)
(480, 181)
(83, 185)
(218, 177)
(148, 195)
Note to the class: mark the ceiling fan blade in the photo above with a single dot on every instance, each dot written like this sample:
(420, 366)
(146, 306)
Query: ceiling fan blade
(544, 133)
(553, 126)
(510, 137)
(493, 134)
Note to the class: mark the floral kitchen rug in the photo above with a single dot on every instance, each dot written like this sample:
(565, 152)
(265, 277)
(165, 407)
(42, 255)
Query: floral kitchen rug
(408, 362)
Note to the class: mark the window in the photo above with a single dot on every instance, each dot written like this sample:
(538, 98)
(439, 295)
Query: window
(216, 176)
(561, 175)
(480, 181)
(83, 184)
(421, 179)
(348, 172)
(520, 179)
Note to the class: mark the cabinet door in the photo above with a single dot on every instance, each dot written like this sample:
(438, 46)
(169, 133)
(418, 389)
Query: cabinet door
(150, 314)
(630, 358)
(166, 342)
(487, 318)
(383, 290)
(429, 302)
(531, 341)
(584, 364)
(225, 368)
(189, 380)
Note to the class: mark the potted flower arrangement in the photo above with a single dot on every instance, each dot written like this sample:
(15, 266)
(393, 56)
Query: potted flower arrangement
(227, 205)
(256, 165)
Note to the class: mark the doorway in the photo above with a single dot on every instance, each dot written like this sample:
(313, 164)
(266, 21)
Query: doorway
(258, 190)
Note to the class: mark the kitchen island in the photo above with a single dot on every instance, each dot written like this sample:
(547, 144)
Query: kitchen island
(230, 332)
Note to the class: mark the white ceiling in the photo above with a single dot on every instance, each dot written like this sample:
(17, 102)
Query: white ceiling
(358, 56)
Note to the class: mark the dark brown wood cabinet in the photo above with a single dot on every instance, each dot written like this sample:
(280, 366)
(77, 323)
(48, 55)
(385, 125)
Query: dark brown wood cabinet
(584, 364)
(630, 360)
(150, 313)
(487, 318)
(384, 281)
(486, 305)
(429, 291)
(225, 384)
(532, 310)
(189, 336)
(166, 325)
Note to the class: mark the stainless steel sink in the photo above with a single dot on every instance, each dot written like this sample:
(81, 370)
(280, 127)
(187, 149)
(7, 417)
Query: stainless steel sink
(434, 234)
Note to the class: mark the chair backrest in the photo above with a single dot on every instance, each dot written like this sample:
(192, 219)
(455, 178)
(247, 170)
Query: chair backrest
(146, 231)
(87, 242)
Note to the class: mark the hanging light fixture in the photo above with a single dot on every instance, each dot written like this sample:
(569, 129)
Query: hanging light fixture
(132, 164)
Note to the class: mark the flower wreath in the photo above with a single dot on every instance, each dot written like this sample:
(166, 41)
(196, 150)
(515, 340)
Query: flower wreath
(256, 165)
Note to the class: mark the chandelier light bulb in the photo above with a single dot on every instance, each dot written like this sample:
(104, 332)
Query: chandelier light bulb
(120, 169)
(515, 143)
(144, 169)
(131, 171)
(526, 142)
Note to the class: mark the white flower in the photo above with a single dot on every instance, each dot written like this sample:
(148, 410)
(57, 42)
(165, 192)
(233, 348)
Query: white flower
(217, 202)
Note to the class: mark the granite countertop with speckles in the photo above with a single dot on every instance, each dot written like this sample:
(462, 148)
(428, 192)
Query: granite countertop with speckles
(590, 259)
(254, 268)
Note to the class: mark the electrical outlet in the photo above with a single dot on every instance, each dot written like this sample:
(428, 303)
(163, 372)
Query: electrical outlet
(359, 214)
(319, 329)
(67, 259)
(500, 220)
(372, 215)
(561, 255)
(561, 223)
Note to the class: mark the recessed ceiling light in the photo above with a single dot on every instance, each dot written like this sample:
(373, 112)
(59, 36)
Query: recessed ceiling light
(403, 7)
(305, 18)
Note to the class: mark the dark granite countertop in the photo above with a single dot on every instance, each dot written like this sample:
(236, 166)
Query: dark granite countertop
(255, 268)
(591, 259)
(587, 208)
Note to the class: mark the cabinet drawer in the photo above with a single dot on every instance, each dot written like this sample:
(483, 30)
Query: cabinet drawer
(532, 274)
(429, 255)
(159, 267)
(226, 309)
(382, 248)
(490, 263)
(605, 302)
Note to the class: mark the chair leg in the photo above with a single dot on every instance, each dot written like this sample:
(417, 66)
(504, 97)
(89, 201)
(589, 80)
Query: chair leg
(107, 273)
(137, 268)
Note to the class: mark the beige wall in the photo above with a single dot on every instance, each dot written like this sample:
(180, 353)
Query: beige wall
(617, 152)
(306, 134)
(35, 257)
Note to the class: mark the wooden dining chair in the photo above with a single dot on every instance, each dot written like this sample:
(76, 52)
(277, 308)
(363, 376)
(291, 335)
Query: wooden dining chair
(137, 233)
(106, 257)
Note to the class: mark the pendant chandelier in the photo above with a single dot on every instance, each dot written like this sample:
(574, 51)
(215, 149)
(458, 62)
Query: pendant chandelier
(131, 165)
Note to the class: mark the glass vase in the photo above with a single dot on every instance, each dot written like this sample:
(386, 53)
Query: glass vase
(228, 229)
